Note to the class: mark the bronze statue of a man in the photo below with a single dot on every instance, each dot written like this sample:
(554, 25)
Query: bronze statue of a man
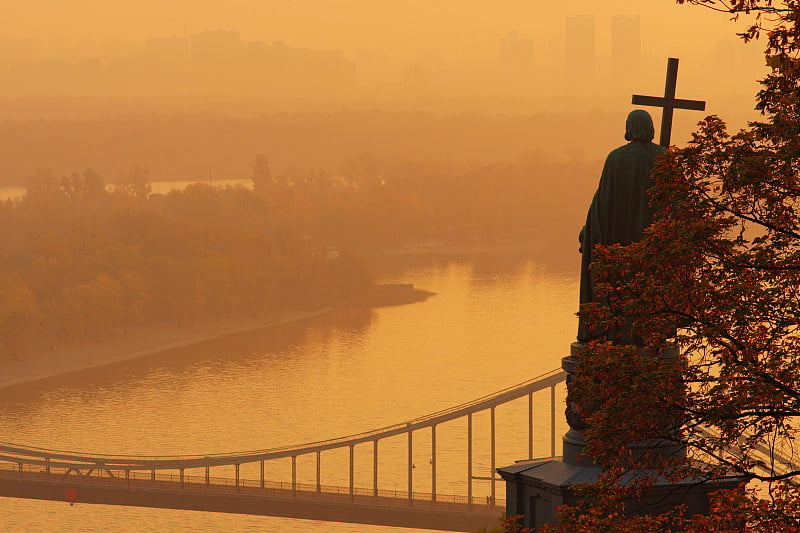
(619, 212)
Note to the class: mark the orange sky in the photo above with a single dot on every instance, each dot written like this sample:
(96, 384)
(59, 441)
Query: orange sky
(457, 37)
(351, 24)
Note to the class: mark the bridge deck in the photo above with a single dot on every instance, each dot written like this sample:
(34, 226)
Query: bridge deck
(249, 498)
(31, 472)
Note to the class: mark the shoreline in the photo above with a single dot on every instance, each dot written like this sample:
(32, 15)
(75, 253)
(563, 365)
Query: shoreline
(517, 246)
(41, 362)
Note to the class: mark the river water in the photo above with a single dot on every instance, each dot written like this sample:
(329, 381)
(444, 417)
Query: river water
(494, 322)
(160, 187)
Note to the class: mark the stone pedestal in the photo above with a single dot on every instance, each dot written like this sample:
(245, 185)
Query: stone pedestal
(535, 489)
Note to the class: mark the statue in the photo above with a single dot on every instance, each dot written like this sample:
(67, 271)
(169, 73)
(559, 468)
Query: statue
(619, 212)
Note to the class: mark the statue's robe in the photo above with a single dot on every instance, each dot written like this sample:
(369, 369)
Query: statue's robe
(619, 212)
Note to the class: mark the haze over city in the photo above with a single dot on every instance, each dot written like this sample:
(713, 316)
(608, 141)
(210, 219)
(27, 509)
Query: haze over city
(157, 72)
(256, 224)
(443, 56)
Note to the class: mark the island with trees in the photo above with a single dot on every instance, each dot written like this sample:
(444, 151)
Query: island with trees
(84, 260)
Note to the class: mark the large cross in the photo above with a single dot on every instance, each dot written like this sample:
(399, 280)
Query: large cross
(669, 102)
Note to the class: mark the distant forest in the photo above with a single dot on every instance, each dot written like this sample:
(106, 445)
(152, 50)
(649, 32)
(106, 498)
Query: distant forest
(85, 255)
(79, 262)
(192, 146)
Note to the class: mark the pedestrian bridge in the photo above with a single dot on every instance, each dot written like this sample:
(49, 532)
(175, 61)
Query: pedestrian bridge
(193, 482)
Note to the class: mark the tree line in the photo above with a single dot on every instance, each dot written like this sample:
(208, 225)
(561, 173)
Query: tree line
(82, 260)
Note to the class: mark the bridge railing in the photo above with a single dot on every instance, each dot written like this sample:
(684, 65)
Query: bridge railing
(22, 460)
(129, 466)
(223, 485)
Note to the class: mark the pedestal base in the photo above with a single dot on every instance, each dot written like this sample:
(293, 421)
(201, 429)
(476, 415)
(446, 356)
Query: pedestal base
(536, 489)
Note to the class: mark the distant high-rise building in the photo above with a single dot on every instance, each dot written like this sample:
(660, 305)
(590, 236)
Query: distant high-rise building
(171, 52)
(516, 52)
(626, 43)
(18, 50)
(213, 52)
(580, 45)
(283, 68)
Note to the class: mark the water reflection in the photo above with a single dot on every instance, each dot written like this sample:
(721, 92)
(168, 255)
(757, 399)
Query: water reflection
(492, 324)
(225, 354)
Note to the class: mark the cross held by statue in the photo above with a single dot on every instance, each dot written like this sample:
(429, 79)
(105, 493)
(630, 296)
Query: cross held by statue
(668, 102)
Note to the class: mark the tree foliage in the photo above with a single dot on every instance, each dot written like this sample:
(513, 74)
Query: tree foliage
(96, 261)
(78, 261)
(719, 270)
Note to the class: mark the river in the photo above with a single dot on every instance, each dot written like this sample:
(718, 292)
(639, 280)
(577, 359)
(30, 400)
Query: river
(494, 322)
(159, 187)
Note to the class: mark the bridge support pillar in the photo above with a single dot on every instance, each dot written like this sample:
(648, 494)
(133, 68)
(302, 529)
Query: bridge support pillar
(469, 461)
(553, 421)
(294, 476)
(375, 468)
(410, 469)
(433, 462)
(492, 473)
(319, 485)
(530, 426)
(352, 473)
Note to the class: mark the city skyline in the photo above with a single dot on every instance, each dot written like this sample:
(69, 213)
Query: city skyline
(513, 63)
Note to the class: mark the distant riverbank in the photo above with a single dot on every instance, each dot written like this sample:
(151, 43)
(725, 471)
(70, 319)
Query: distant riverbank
(40, 361)
(8, 192)
(439, 248)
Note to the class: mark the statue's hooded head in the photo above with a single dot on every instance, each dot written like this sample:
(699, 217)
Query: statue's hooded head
(639, 126)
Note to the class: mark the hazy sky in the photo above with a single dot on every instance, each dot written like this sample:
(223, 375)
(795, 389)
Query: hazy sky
(458, 39)
(352, 24)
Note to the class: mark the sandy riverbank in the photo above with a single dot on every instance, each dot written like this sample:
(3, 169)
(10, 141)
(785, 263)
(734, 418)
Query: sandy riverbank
(42, 361)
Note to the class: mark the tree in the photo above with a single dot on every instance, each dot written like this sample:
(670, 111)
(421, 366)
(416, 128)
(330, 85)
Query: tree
(719, 270)
(262, 176)
(19, 313)
(93, 185)
(136, 182)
